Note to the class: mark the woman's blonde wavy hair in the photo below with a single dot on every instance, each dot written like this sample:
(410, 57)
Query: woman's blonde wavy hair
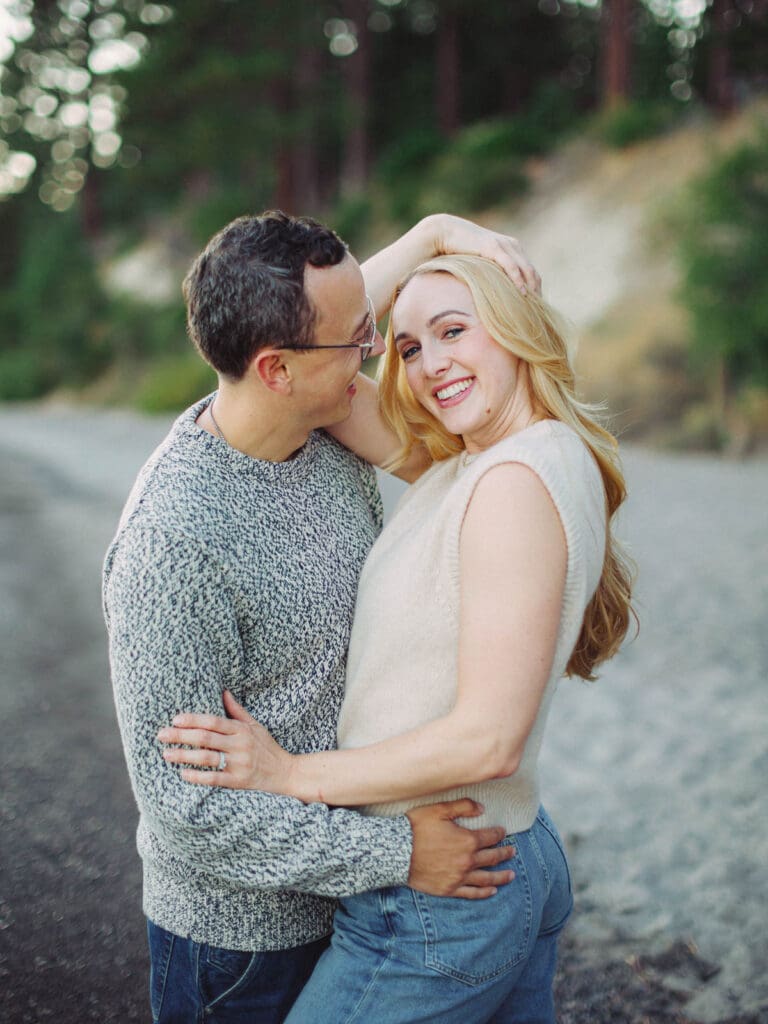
(531, 330)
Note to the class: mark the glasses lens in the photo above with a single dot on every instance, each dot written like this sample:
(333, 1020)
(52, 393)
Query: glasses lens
(370, 334)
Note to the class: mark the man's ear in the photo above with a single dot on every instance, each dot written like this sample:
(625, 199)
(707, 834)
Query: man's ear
(273, 370)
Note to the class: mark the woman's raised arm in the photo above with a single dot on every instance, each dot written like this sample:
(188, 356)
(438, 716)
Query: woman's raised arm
(438, 234)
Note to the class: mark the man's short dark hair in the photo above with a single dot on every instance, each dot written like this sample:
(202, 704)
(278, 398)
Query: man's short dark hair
(245, 291)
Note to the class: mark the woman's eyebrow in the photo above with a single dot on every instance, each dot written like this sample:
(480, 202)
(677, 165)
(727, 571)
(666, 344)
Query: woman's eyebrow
(432, 321)
(446, 312)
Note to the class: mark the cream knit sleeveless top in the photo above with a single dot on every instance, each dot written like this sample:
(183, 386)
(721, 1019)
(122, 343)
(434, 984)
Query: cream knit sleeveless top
(402, 662)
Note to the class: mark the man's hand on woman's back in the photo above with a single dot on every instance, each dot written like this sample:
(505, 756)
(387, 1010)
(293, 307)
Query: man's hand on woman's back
(449, 860)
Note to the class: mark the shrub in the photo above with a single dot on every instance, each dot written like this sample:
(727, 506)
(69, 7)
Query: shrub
(481, 166)
(456, 182)
(351, 219)
(52, 306)
(174, 382)
(634, 121)
(224, 204)
(402, 169)
(22, 376)
(724, 254)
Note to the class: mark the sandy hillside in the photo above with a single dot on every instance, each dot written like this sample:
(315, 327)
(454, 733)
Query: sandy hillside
(594, 226)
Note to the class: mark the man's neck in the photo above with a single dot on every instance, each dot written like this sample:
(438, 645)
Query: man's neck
(251, 426)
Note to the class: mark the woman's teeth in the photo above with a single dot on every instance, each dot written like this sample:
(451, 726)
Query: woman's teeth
(453, 389)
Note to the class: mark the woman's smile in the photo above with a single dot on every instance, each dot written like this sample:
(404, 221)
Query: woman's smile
(454, 392)
(455, 369)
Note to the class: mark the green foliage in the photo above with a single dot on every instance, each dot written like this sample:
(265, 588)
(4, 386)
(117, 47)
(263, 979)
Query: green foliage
(634, 121)
(22, 376)
(137, 331)
(236, 106)
(223, 205)
(481, 166)
(351, 219)
(724, 252)
(402, 169)
(59, 326)
(549, 117)
(480, 169)
(52, 306)
(174, 382)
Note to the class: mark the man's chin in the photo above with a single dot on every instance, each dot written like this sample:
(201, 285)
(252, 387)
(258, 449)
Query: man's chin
(340, 415)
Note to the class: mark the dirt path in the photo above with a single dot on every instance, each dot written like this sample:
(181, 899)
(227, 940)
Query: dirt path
(655, 774)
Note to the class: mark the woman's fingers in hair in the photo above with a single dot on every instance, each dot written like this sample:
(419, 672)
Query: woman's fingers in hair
(456, 235)
(513, 259)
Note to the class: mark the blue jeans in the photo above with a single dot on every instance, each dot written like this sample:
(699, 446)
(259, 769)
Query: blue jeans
(400, 957)
(192, 982)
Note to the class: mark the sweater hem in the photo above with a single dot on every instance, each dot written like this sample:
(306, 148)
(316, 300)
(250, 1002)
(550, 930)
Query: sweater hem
(256, 921)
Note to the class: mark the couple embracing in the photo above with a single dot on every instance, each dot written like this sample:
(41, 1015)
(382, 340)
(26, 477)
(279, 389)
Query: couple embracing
(259, 619)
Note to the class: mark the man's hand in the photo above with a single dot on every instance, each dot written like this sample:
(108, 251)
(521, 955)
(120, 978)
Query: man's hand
(449, 860)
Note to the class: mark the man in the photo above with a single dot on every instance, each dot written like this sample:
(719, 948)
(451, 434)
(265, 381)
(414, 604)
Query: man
(234, 567)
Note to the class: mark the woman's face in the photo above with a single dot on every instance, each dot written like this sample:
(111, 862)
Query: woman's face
(468, 382)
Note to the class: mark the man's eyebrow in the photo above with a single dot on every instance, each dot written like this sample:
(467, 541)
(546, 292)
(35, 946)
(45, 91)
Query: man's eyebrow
(432, 321)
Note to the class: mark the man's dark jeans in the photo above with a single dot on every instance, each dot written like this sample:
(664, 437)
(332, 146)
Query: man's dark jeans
(194, 983)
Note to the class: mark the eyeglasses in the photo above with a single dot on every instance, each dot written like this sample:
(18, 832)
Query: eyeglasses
(366, 347)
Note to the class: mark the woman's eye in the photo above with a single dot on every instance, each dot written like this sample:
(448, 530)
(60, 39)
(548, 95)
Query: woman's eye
(451, 333)
(408, 351)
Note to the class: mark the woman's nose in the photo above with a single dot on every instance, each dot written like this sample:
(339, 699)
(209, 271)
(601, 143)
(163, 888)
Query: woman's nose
(435, 359)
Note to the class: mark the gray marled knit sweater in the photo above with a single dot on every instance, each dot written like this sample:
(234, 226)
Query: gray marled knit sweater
(230, 572)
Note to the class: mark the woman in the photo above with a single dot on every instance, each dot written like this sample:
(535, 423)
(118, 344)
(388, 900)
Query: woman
(497, 575)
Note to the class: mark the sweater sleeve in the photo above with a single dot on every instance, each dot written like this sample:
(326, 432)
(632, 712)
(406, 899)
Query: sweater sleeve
(173, 642)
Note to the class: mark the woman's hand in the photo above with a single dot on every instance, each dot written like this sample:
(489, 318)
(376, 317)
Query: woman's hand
(437, 235)
(243, 753)
(455, 235)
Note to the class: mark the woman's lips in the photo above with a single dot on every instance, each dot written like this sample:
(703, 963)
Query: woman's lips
(455, 392)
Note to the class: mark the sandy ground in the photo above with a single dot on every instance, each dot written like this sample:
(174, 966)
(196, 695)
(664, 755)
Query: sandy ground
(655, 773)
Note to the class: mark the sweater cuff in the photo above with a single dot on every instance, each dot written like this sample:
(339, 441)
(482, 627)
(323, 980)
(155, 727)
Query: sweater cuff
(390, 846)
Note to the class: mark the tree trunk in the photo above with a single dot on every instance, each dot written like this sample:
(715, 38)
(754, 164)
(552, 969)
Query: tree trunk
(719, 83)
(285, 193)
(357, 72)
(616, 51)
(306, 160)
(91, 219)
(448, 69)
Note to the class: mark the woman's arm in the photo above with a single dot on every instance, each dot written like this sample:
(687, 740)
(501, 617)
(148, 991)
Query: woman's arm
(512, 583)
(435, 235)
(364, 431)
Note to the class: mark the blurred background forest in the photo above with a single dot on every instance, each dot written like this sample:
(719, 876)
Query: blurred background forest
(625, 142)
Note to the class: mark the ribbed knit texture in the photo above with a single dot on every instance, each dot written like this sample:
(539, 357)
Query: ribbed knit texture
(231, 572)
(402, 666)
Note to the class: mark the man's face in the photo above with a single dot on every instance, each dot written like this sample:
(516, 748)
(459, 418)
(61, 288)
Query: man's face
(325, 377)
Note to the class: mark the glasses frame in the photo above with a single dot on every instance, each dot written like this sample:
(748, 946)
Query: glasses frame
(366, 347)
